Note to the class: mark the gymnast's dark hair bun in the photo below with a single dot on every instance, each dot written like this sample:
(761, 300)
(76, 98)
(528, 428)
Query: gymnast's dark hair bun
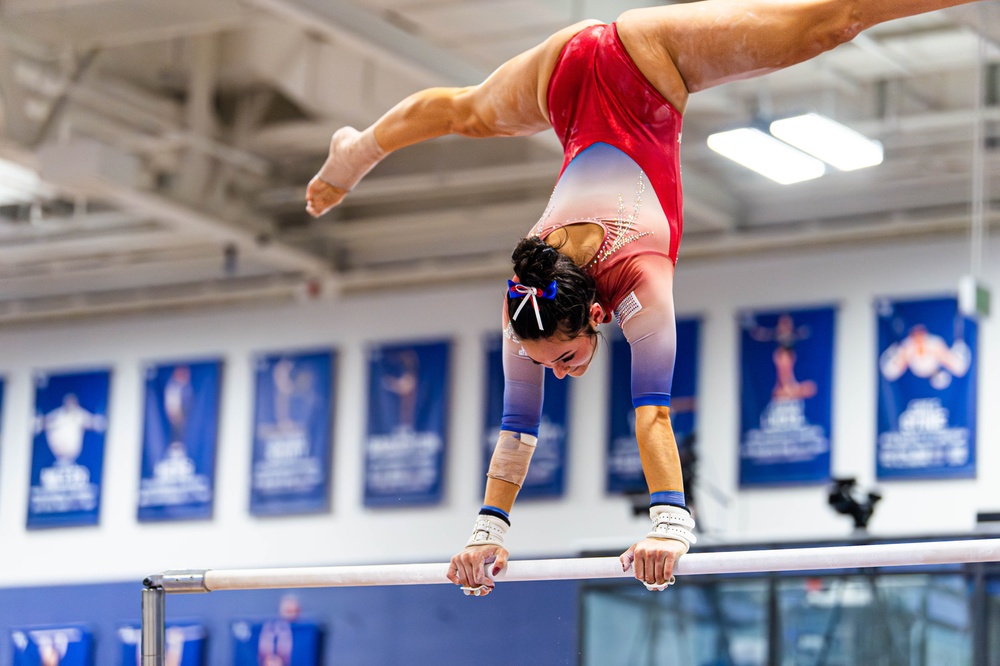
(537, 264)
(534, 261)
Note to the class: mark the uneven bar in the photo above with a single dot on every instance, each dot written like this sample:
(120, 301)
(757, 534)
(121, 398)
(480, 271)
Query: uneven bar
(749, 561)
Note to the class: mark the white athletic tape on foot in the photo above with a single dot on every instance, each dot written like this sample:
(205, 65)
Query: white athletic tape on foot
(352, 155)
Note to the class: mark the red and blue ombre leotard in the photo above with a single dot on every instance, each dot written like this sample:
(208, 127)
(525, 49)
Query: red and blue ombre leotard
(621, 171)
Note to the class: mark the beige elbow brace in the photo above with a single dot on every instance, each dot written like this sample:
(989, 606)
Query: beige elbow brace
(512, 456)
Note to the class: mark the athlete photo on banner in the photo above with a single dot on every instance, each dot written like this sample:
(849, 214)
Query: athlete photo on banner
(624, 471)
(786, 394)
(68, 448)
(184, 644)
(69, 645)
(180, 430)
(277, 642)
(407, 419)
(547, 472)
(292, 432)
(927, 390)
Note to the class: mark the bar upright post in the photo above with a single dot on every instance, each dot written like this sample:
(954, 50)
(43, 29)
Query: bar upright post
(153, 629)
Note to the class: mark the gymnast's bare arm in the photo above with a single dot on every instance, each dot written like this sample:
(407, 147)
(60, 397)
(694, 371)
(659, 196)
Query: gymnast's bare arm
(510, 102)
(653, 559)
(684, 48)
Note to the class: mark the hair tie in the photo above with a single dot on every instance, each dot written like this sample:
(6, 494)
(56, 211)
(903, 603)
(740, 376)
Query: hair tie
(518, 290)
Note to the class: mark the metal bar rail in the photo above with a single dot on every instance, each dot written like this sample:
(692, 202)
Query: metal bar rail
(751, 561)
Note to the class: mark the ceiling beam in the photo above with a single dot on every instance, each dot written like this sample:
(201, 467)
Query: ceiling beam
(856, 232)
(495, 266)
(91, 168)
(254, 290)
(983, 18)
(853, 194)
(704, 197)
(14, 124)
(377, 38)
(90, 243)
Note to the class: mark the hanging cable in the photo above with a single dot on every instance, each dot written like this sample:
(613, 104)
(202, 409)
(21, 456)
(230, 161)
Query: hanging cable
(978, 218)
(973, 298)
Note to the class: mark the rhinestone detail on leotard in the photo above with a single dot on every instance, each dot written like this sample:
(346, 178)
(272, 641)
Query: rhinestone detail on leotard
(617, 230)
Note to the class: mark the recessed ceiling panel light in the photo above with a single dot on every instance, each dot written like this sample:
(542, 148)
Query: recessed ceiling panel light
(766, 155)
(17, 184)
(835, 144)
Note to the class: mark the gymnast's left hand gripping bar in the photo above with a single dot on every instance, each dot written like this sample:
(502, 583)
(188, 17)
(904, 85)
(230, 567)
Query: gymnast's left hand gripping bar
(154, 589)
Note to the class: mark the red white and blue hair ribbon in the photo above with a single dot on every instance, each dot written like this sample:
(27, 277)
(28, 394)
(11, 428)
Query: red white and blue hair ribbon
(518, 290)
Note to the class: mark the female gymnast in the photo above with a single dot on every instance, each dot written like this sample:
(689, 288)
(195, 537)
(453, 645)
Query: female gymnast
(607, 242)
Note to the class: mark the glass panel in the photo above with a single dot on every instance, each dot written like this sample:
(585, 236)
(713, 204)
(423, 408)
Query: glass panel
(689, 625)
(993, 619)
(892, 620)
(884, 620)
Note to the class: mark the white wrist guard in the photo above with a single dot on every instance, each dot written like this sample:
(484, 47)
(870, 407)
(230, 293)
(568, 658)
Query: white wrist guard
(672, 522)
(489, 530)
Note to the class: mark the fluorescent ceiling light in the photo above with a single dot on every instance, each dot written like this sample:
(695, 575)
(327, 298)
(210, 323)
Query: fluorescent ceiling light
(766, 155)
(828, 140)
(17, 184)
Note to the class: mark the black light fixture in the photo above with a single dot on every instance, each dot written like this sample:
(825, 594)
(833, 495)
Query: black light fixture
(845, 498)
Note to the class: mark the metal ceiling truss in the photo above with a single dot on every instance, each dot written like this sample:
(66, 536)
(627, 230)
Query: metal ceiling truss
(192, 163)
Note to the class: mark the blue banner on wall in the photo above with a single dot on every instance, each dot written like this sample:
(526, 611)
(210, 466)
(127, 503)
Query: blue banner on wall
(70, 645)
(183, 645)
(277, 642)
(68, 449)
(927, 390)
(547, 472)
(292, 434)
(407, 419)
(624, 465)
(786, 389)
(179, 441)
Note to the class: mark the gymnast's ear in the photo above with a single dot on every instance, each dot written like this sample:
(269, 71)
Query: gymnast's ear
(596, 314)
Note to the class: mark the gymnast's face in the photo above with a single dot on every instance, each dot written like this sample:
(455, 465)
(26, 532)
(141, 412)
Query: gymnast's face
(566, 356)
